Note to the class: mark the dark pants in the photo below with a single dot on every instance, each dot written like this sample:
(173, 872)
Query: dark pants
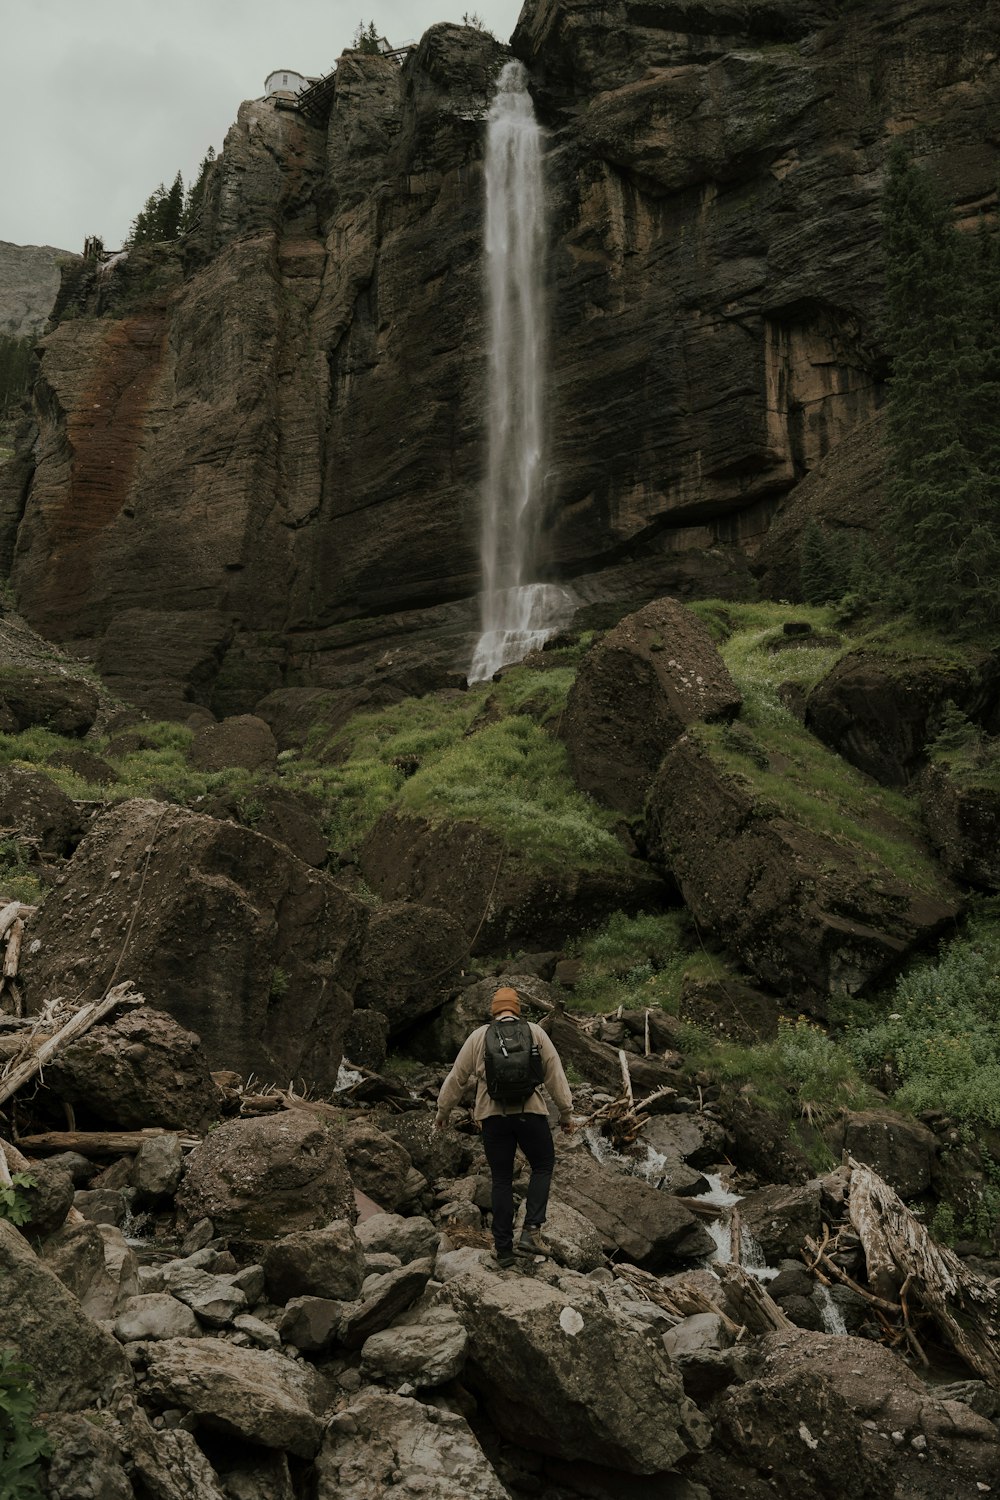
(502, 1134)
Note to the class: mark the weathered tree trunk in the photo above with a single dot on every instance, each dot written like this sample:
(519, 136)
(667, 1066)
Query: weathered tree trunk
(904, 1262)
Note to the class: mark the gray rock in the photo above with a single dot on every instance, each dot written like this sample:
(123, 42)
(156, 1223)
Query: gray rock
(780, 1218)
(378, 1164)
(696, 1335)
(251, 1282)
(157, 1168)
(572, 1238)
(378, 1263)
(425, 1354)
(541, 1357)
(101, 1206)
(383, 1299)
(143, 1068)
(252, 1394)
(311, 1323)
(74, 1364)
(51, 1198)
(636, 691)
(213, 1299)
(155, 1315)
(263, 1334)
(391, 1234)
(650, 1228)
(97, 1266)
(453, 1263)
(315, 1263)
(379, 1437)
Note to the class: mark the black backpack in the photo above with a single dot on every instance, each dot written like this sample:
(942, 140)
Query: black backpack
(513, 1062)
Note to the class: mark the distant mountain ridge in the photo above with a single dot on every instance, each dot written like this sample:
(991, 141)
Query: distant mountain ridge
(29, 280)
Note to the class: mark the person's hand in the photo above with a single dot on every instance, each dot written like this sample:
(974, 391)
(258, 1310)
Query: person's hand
(567, 1127)
(439, 1123)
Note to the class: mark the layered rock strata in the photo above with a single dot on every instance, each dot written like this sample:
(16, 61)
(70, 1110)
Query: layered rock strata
(260, 468)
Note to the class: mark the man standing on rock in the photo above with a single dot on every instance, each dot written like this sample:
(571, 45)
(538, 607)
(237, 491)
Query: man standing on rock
(509, 1059)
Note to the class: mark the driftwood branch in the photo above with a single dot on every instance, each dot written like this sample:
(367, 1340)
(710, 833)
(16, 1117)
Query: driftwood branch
(13, 955)
(748, 1303)
(102, 1142)
(76, 1026)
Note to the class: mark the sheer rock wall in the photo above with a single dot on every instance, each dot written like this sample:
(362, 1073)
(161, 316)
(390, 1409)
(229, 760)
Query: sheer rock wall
(259, 468)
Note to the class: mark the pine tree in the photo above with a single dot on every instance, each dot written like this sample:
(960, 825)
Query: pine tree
(15, 371)
(816, 577)
(940, 424)
(366, 38)
(173, 208)
(160, 216)
(195, 199)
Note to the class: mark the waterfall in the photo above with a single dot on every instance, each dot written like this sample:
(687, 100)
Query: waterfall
(517, 614)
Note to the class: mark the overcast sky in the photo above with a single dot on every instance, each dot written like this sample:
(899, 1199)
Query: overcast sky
(104, 99)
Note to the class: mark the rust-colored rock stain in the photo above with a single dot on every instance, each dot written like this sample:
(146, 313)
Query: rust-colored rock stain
(105, 433)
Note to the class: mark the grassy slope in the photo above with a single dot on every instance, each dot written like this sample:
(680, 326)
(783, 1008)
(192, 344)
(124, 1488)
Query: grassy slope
(485, 755)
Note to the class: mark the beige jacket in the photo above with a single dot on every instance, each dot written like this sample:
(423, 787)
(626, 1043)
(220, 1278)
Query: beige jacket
(470, 1063)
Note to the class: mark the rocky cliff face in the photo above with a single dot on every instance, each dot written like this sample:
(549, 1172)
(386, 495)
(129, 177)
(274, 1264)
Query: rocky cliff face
(260, 469)
(29, 281)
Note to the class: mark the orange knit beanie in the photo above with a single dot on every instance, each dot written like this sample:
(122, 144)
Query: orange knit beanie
(506, 999)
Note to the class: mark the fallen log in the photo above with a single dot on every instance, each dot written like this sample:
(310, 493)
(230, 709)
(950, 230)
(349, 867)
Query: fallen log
(903, 1260)
(102, 1142)
(76, 1026)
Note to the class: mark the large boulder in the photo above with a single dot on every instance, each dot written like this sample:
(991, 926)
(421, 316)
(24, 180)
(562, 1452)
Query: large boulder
(635, 692)
(50, 700)
(540, 1355)
(380, 1436)
(74, 1363)
(266, 1177)
(634, 1220)
(877, 710)
(827, 1415)
(901, 1149)
(226, 930)
(502, 897)
(962, 817)
(411, 955)
(805, 912)
(252, 1395)
(39, 810)
(139, 1070)
(244, 741)
(780, 1218)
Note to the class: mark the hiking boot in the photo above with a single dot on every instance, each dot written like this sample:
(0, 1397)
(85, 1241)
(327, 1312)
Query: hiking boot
(505, 1259)
(531, 1242)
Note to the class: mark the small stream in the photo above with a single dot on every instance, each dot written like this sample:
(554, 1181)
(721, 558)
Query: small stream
(651, 1165)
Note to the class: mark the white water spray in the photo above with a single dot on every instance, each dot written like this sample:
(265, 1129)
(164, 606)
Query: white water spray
(517, 614)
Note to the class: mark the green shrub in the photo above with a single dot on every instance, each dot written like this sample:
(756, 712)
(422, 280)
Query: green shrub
(939, 1045)
(22, 1444)
(802, 1073)
(14, 1206)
